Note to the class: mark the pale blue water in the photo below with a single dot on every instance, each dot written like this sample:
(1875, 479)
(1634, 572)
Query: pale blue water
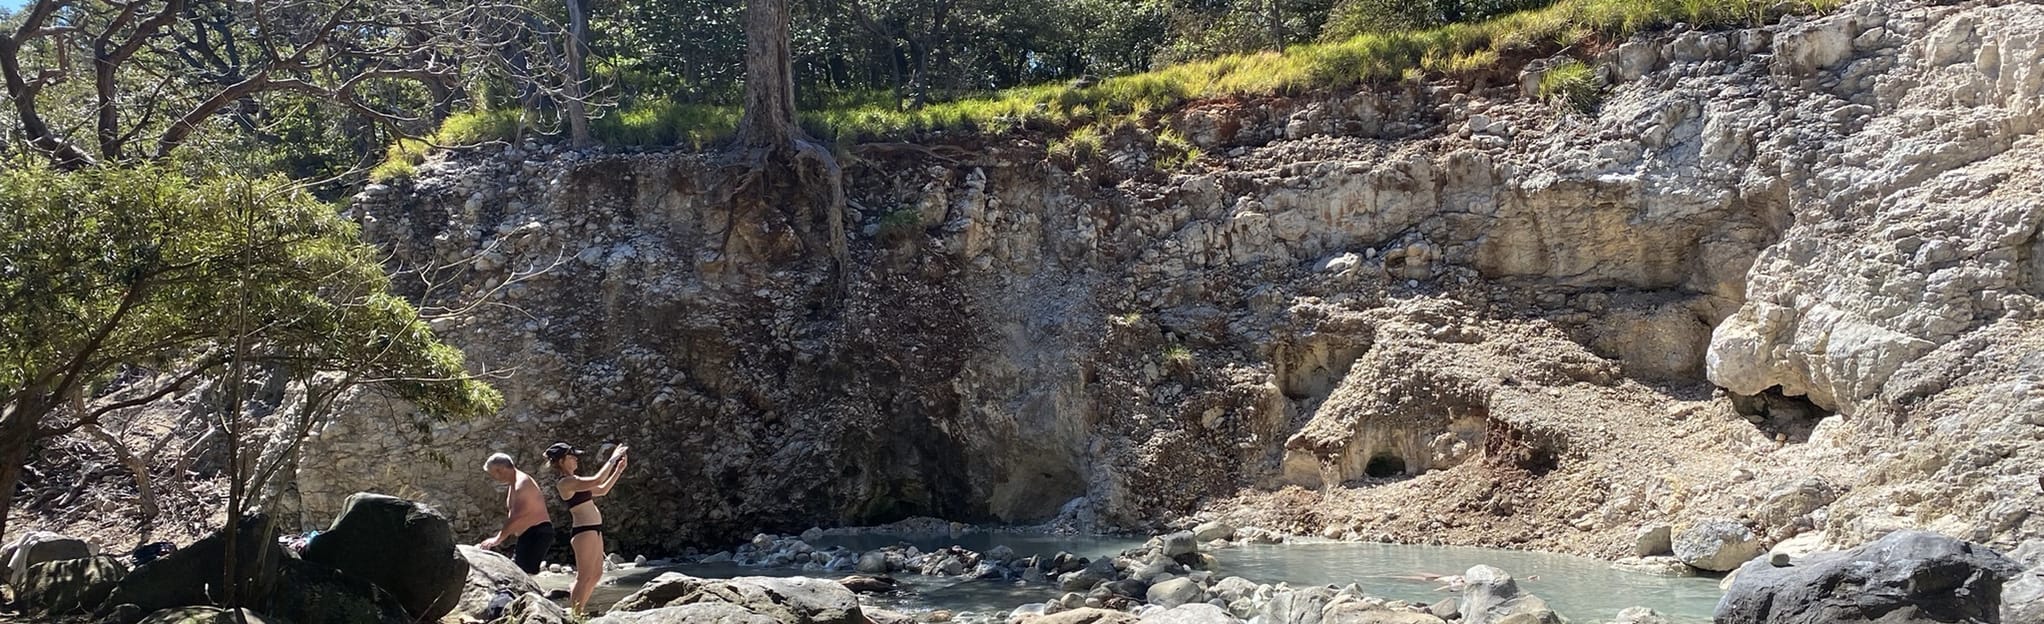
(1584, 590)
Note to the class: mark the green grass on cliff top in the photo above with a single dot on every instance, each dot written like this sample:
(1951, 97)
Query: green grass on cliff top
(1453, 50)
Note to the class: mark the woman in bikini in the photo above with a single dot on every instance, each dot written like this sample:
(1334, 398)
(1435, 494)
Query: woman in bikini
(579, 493)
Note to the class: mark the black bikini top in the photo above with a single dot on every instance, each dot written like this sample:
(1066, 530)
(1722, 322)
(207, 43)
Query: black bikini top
(578, 498)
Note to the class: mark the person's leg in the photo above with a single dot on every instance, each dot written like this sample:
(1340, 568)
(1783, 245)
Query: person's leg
(588, 547)
(530, 553)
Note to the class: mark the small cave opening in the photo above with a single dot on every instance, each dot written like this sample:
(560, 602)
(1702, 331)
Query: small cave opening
(1384, 466)
(1786, 419)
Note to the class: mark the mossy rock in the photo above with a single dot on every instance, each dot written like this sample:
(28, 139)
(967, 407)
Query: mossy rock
(71, 585)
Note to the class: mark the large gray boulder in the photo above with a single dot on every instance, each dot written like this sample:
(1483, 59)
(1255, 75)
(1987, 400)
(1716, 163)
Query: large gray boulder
(36, 547)
(1366, 613)
(404, 547)
(71, 585)
(1904, 577)
(1296, 606)
(533, 609)
(1717, 545)
(1492, 596)
(785, 600)
(489, 574)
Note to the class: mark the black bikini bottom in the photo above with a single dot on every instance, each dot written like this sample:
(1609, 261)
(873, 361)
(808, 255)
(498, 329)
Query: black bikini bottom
(598, 528)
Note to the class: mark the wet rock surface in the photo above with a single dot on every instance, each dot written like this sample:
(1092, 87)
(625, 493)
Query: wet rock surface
(1907, 576)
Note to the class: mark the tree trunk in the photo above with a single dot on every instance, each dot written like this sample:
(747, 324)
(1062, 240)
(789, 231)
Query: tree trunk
(769, 121)
(1277, 25)
(577, 47)
(17, 437)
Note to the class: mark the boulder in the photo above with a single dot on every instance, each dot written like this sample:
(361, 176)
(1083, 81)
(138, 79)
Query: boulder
(1783, 505)
(1906, 576)
(1175, 592)
(1491, 596)
(787, 600)
(2022, 599)
(1215, 530)
(71, 585)
(534, 609)
(1191, 614)
(404, 547)
(1664, 566)
(1095, 573)
(1232, 588)
(1717, 545)
(192, 575)
(701, 613)
(1296, 606)
(37, 547)
(1180, 543)
(312, 593)
(1653, 540)
(882, 616)
(490, 574)
(203, 615)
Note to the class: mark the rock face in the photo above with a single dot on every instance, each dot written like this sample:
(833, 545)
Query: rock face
(403, 547)
(1717, 545)
(1907, 576)
(1352, 292)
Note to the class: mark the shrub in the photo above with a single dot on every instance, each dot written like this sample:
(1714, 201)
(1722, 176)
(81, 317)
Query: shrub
(1572, 85)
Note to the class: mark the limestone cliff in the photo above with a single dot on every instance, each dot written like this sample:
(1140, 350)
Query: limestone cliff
(1424, 312)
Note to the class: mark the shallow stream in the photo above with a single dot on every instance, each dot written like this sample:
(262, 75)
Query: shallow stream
(1584, 590)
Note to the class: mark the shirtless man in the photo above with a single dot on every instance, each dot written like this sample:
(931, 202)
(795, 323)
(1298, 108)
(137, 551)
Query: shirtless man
(528, 523)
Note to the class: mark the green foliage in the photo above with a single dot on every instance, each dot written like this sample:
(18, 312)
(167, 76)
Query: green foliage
(900, 224)
(1178, 355)
(1175, 151)
(1572, 85)
(113, 266)
(477, 127)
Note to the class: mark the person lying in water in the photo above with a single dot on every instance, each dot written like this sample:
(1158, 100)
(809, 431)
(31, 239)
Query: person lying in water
(585, 536)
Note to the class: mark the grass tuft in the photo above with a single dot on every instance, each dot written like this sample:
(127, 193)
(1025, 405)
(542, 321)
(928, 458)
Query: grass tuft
(1573, 86)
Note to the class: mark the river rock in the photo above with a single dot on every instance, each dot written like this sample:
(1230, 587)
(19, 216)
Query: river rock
(699, 613)
(1369, 613)
(1653, 540)
(1296, 606)
(1717, 545)
(868, 584)
(1639, 615)
(36, 547)
(1663, 566)
(1783, 505)
(1906, 576)
(1213, 530)
(71, 585)
(1093, 575)
(873, 562)
(657, 593)
(1083, 615)
(1175, 592)
(489, 574)
(1191, 614)
(789, 600)
(204, 615)
(404, 547)
(533, 609)
(1491, 596)
(1180, 543)
(189, 576)
(883, 616)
